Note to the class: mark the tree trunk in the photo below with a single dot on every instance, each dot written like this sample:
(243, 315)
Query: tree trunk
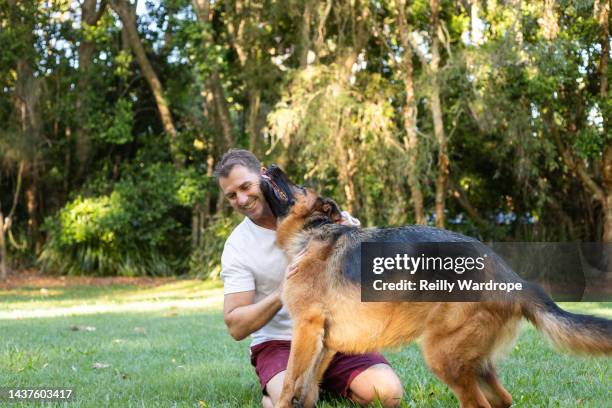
(208, 204)
(602, 12)
(221, 108)
(319, 38)
(171, 10)
(202, 9)
(345, 153)
(235, 27)
(598, 193)
(566, 220)
(607, 221)
(347, 149)
(213, 85)
(240, 18)
(196, 224)
(436, 112)
(548, 21)
(252, 121)
(465, 203)
(347, 162)
(409, 113)
(6, 222)
(128, 19)
(607, 227)
(89, 17)
(31, 194)
(28, 93)
(607, 192)
(3, 267)
(304, 46)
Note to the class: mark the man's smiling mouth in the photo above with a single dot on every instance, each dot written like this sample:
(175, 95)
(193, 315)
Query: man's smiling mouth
(250, 206)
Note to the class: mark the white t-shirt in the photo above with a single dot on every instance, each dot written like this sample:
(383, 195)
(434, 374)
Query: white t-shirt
(252, 261)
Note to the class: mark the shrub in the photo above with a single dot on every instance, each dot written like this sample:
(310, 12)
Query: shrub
(137, 229)
(205, 261)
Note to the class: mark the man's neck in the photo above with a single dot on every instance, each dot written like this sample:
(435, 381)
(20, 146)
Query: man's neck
(266, 222)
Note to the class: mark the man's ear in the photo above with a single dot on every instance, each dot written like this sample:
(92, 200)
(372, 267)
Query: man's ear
(263, 170)
(331, 210)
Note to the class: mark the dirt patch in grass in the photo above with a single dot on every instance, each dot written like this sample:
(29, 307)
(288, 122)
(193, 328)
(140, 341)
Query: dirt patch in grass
(34, 279)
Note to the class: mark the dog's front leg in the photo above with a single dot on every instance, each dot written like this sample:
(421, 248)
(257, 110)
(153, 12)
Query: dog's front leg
(310, 395)
(306, 347)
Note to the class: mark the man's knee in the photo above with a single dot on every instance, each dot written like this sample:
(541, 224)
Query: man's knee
(273, 388)
(377, 383)
(266, 402)
(390, 393)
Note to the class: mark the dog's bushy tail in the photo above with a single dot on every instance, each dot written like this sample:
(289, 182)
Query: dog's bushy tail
(576, 332)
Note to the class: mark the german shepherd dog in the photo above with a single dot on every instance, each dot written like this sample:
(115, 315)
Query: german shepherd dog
(459, 340)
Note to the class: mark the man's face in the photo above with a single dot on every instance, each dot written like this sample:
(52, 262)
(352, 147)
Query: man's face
(241, 189)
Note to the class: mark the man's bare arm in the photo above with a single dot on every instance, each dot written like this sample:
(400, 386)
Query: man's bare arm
(243, 316)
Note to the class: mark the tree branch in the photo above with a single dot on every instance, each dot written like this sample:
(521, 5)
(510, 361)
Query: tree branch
(574, 165)
(418, 52)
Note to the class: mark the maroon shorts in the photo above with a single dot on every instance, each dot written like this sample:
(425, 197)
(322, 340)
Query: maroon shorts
(270, 358)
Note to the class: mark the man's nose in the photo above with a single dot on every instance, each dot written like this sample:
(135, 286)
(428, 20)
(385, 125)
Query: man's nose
(242, 198)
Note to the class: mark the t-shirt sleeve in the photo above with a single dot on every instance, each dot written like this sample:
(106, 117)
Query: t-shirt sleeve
(236, 277)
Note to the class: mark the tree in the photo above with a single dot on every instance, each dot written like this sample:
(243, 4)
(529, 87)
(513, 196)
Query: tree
(409, 114)
(91, 12)
(578, 141)
(26, 110)
(125, 11)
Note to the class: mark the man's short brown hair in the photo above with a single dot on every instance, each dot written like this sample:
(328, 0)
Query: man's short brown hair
(236, 157)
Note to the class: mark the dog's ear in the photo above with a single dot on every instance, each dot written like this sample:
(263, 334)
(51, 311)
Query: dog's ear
(331, 209)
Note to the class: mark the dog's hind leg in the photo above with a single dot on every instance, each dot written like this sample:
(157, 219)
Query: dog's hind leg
(306, 347)
(492, 388)
(457, 370)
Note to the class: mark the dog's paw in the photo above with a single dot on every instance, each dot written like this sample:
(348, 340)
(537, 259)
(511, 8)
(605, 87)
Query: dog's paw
(301, 208)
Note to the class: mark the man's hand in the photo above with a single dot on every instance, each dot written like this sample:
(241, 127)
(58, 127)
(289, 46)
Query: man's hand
(293, 266)
(349, 220)
(289, 272)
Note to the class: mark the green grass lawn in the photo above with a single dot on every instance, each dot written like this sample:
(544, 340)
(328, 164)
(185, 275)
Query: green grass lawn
(167, 346)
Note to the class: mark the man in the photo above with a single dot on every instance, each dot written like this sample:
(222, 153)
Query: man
(253, 268)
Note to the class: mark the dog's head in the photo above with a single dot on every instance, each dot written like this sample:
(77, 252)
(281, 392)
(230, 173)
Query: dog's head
(288, 199)
(278, 191)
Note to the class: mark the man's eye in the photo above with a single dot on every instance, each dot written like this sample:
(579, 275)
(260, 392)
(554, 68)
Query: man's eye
(231, 196)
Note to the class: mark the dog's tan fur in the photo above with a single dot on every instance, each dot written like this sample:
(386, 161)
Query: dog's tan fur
(459, 341)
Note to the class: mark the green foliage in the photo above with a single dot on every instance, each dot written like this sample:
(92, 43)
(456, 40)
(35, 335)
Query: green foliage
(326, 99)
(117, 129)
(99, 32)
(204, 261)
(590, 143)
(199, 46)
(123, 61)
(192, 187)
(132, 231)
(333, 122)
